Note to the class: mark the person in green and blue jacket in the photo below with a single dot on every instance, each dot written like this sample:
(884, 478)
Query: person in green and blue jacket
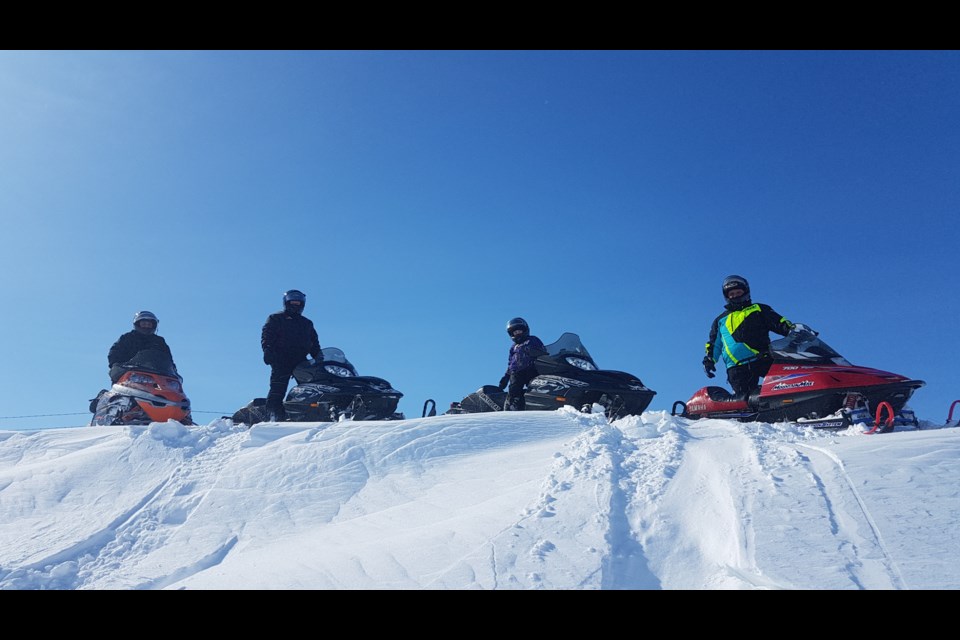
(740, 337)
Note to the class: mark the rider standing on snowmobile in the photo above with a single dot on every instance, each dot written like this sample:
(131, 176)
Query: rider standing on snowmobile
(743, 329)
(143, 337)
(287, 338)
(521, 362)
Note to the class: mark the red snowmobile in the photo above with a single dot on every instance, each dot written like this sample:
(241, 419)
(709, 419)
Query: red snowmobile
(812, 385)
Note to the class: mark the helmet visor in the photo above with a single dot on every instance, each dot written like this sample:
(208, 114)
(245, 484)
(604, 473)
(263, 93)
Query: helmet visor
(734, 293)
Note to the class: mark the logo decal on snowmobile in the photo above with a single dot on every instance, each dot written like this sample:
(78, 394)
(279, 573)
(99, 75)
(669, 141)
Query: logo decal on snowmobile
(835, 424)
(554, 384)
(793, 385)
(487, 400)
(323, 387)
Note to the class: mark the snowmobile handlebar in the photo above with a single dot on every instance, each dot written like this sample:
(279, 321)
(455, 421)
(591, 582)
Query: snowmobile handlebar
(950, 414)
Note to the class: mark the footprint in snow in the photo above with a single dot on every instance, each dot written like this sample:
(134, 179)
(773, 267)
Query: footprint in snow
(542, 548)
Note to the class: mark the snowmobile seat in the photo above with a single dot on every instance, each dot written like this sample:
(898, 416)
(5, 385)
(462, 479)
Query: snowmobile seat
(255, 411)
(721, 395)
(487, 398)
(94, 402)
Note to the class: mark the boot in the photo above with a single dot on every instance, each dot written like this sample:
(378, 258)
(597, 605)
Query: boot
(276, 414)
(514, 404)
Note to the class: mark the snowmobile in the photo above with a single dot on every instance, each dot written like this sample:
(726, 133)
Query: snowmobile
(326, 391)
(567, 376)
(146, 389)
(810, 384)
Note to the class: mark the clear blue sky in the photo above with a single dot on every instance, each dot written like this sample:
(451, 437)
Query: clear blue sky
(421, 199)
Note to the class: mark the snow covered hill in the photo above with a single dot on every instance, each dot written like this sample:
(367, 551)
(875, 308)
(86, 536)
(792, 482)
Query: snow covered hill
(534, 500)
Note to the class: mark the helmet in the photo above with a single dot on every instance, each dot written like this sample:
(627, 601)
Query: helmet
(145, 315)
(294, 301)
(736, 282)
(518, 323)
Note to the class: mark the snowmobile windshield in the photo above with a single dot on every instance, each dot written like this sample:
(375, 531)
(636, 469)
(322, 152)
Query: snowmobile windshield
(336, 363)
(569, 345)
(332, 354)
(153, 361)
(802, 345)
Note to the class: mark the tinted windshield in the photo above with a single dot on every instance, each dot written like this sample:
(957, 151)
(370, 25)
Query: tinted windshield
(334, 364)
(334, 355)
(152, 360)
(568, 345)
(803, 345)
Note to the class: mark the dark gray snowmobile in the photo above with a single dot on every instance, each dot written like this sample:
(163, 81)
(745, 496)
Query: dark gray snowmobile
(567, 376)
(328, 390)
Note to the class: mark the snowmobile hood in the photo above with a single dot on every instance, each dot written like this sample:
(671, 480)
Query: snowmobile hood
(329, 389)
(567, 358)
(337, 372)
(151, 361)
(787, 379)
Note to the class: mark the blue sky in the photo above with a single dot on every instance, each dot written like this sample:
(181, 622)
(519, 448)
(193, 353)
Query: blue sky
(421, 199)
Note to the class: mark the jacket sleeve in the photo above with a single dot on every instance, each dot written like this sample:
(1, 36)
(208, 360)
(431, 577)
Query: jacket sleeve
(538, 349)
(118, 352)
(268, 336)
(166, 348)
(712, 340)
(314, 342)
(775, 322)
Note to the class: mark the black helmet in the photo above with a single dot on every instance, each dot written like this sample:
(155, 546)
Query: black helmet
(736, 282)
(294, 301)
(518, 323)
(145, 315)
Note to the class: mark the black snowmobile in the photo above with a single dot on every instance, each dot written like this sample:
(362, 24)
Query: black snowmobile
(146, 389)
(328, 390)
(567, 376)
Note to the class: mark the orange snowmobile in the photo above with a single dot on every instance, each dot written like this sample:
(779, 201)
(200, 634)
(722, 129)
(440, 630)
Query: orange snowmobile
(146, 389)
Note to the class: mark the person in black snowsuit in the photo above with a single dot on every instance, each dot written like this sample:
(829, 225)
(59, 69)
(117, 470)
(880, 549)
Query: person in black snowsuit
(740, 337)
(143, 337)
(288, 337)
(521, 363)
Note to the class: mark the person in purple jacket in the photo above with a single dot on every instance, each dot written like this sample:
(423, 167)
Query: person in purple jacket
(521, 364)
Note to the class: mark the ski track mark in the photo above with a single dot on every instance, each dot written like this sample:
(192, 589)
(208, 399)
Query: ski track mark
(208, 562)
(696, 505)
(157, 519)
(857, 561)
(59, 571)
(524, 554)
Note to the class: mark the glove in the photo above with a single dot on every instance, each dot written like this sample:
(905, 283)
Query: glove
(708, 366)
(504, 381)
